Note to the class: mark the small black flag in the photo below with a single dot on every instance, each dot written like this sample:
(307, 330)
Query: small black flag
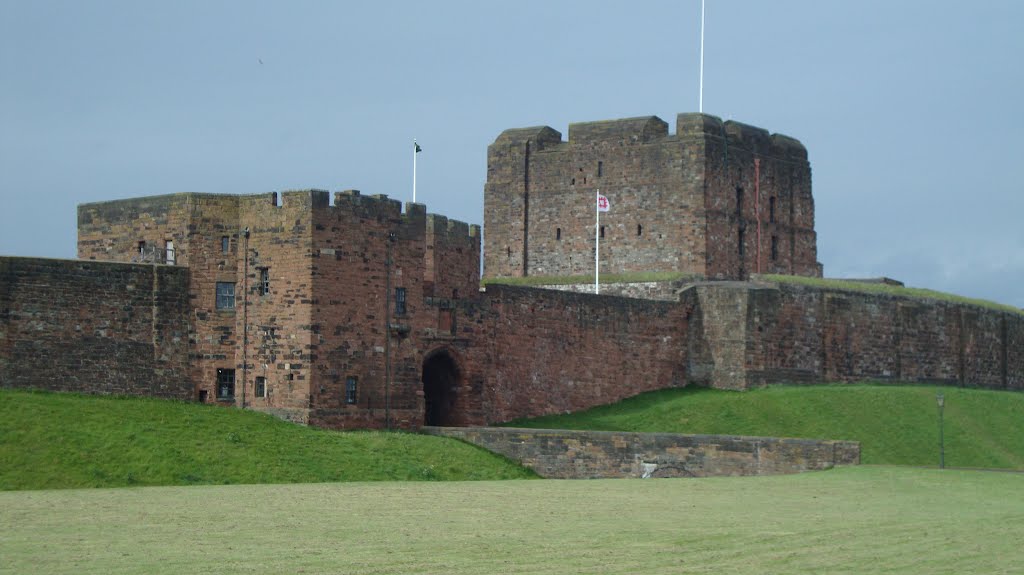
(418, 149)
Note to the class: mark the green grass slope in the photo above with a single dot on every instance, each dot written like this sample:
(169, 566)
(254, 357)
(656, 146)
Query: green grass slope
(50, 440)
(895, 424)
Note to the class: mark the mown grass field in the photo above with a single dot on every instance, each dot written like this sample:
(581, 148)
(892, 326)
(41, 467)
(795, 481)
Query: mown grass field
(848, 520)
(52, 440)
(895, 424)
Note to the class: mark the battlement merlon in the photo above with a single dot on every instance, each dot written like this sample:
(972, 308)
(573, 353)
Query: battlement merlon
(738, 134)
(642, 130)
(539, 137)
(440, 226)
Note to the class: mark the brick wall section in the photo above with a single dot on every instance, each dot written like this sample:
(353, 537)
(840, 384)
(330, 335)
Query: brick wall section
(560, 454)
(674, 203)
(92, 327)
(530, 352)
(653, 290)
(806, 334)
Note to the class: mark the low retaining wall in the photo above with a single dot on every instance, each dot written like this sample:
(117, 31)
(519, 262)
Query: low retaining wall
(562, 454)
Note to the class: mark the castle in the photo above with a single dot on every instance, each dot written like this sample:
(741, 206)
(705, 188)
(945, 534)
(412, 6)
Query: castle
(352, 311)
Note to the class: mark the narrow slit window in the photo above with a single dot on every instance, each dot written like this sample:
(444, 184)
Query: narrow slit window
(225, 244)
(558, 233)
(351, 391)
(264, 285)
(739, 202)
(771, 209)
(600, 169)
(639, 229)
(775, 248)
(739, 246)
(400, 301)
(602, 232)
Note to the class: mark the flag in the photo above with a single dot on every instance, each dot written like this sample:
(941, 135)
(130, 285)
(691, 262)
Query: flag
(602, 203)
(418, 148)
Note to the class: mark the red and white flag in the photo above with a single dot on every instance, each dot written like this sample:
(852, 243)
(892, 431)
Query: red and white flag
(602, 203)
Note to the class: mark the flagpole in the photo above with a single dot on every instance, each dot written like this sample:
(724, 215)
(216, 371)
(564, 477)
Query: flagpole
(597, 241)
(414, 150)
(701, 105)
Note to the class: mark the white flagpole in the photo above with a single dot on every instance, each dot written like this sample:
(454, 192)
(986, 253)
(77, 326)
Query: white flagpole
(414, 170)
(701, 106)
(597, 241)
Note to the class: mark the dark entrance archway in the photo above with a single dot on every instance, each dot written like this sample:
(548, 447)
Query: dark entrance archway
(441, 380)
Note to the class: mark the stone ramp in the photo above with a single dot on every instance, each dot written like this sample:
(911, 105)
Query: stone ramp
(564, 454)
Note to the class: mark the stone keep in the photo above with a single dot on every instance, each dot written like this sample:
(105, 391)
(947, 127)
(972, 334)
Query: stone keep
(718, 200)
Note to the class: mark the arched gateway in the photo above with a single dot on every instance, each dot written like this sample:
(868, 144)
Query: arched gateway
(441, 380)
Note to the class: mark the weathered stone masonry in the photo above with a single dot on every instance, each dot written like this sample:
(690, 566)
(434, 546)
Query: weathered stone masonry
(719, 200)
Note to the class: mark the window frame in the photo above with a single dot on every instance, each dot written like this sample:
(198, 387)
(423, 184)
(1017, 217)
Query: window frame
(225, 377)
(225, 301)
(264, 281)
(351, 390)
(401, 303)
(260, 386)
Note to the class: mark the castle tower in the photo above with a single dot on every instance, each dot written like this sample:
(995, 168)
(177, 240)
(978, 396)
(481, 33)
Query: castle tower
(720, 200)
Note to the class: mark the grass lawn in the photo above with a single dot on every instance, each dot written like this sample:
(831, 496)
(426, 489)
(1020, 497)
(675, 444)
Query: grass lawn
(895, 424)
(56, 440)
(848, 520)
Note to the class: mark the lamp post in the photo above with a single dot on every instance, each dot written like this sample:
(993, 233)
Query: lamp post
(941, 401)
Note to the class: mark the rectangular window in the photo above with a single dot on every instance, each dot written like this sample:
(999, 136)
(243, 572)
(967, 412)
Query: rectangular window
(169, 252)
(261, 386)
(775, 248)
(400, 301)
(600, 169)
(351, 393)
(740, 247)
(739, 202)
(225, 383)
(602, 232)
(558, 233)
(225, 295)
(225, 244)
(771, 209)
(142, 248)
(264, 285)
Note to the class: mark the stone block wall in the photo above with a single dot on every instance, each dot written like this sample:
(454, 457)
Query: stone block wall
(685, 202)
(792, 333)
(561, 454)
(531, 352)
(91, 327)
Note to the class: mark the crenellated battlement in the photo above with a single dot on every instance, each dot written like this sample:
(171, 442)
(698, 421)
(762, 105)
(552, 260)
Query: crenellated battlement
(443, 227)
(627, 130)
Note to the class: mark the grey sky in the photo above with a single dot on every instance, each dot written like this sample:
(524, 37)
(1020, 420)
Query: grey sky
(910, 110)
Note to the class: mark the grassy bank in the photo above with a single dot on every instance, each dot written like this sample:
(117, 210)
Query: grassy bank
(851, 520)
(895, 424)
(50, 440)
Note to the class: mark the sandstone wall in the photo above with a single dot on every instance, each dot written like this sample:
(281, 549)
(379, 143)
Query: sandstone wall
(561, 454)
(94, 327)
(534, 352)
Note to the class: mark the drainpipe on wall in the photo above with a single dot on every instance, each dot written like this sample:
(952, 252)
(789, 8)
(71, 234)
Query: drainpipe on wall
(757, 207)
(245, 317)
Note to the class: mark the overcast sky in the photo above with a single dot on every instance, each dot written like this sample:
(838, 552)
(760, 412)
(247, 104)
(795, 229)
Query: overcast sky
(911, 111)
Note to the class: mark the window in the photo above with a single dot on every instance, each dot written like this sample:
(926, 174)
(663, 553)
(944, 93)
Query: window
(602, 232)
(639, 229)
(225, 295)
(600, 169)
(739, 202)
(225, 383)
(351, 394)
(225, 244)
(739, 248)
(142, 248)
(169, 251)
(400, 301)
(771, 209)
(264, 285)
(261, 386)
(558, 233)
(775, 248)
